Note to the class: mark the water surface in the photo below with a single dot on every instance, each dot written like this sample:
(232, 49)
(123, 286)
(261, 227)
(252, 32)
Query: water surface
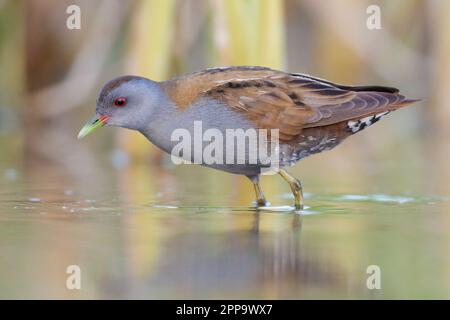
(192, 233)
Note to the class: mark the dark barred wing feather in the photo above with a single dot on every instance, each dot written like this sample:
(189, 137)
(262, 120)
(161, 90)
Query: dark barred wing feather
(293, 102)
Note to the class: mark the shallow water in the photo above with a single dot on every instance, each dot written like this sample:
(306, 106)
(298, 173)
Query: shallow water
(178, 234)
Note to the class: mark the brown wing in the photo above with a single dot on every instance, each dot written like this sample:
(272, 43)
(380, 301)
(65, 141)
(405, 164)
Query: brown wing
(186, 89)
(288, 102)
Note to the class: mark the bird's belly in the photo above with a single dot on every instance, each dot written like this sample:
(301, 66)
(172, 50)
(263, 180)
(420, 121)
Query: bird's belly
(237, 154)
(215, 137)
(248, 170)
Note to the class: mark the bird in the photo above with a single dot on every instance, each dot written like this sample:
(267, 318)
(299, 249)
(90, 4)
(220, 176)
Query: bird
(309, 114)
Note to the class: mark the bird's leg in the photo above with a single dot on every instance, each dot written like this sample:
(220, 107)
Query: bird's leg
(296, 187)
(260, 199)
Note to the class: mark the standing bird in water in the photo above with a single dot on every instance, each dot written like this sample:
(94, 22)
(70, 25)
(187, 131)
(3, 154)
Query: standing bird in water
(311, 115)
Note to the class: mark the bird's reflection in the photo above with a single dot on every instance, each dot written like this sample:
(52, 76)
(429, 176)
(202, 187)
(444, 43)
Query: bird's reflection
(266, 258)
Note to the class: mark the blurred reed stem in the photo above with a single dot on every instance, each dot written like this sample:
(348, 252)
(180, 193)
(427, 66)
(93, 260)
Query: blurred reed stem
(255, 32)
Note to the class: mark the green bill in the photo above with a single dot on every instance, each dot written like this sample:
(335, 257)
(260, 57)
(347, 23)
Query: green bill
(92, 125)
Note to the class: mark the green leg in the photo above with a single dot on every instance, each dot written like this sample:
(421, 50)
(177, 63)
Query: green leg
(260, 199)
(296, 187)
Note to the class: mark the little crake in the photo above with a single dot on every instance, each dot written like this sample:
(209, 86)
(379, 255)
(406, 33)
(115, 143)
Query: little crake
(311, 114)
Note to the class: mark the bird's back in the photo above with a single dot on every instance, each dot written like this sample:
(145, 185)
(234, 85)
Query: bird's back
(311, 114)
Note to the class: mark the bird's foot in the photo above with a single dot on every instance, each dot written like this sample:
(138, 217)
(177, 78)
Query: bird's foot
(260, 203)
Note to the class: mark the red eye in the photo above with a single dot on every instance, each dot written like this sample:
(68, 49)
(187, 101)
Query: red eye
(120, 102)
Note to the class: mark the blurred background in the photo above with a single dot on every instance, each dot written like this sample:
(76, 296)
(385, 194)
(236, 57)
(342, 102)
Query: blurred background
(140, 227)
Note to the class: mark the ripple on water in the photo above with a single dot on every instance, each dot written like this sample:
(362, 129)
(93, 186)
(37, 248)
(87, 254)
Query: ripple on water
(318, 204)
(225, 209)
(372, 198)
(376, 198)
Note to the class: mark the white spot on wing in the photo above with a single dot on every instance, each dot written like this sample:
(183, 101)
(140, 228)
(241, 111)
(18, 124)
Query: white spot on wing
(356, 126)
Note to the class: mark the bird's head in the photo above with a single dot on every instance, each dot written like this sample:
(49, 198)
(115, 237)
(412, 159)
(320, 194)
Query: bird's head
(127, 101)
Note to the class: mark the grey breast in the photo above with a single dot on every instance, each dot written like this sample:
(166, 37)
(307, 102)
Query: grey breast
(204, 115)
